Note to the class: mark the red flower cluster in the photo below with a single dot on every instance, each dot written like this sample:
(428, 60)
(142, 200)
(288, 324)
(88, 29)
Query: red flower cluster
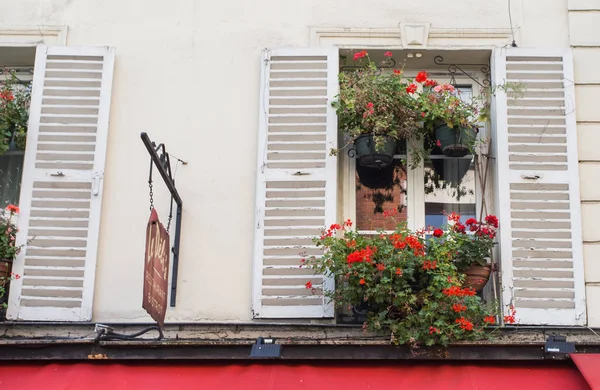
(430, 83)
(433, 330)
(380, 267)
(14, 275)
(459, 227)
(351, 244)
(11, 208)
(308, 284)
(457, 307)
(412, 88)
(359, 55)
(492, 220)
(421, 77)
(464, 323)
(438, 233)
(362, 281)
(390, 213)
(429, 264)
(456, 291)
(361, 255)
(471, 222)
(510, 319)
(398, 271)
(454, 217)
(387, 54)
(7, 96)
(331, 230)
(489, 320)
(397, 71)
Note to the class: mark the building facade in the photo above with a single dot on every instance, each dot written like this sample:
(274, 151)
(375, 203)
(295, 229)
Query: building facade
(225, 86)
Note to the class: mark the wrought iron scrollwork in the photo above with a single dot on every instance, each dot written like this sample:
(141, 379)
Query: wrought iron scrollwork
(351, 152)
(455, 69)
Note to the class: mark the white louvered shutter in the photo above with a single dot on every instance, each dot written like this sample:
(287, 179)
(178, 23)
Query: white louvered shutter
(61, 190)
(297, 180)
(538, 188)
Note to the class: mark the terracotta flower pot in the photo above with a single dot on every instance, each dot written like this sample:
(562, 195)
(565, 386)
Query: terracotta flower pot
(477, 276)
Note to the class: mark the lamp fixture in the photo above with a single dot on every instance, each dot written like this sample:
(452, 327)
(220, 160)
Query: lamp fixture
(265, 348)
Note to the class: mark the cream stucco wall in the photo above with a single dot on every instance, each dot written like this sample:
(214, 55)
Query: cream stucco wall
(188, 74)
(584, 32)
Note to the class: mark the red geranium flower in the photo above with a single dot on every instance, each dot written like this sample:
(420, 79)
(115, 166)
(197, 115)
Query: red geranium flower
(421, 77)
(362, 281)
(438, 233)
(397, 71)
(387, 54)
(492, 220)
(412, 88)
(470, 221)
(308, 284)
(11, 208)
(489, 320)
(430, 83)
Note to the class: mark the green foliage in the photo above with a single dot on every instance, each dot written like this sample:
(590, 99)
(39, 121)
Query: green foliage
(385, 104)
(15, 98)
(375, 102)
(410, 284)
(8, 233)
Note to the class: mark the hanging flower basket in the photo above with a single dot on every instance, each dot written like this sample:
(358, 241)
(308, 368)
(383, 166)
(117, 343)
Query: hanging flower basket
(477, 276)
(371, 155)
(455, 142)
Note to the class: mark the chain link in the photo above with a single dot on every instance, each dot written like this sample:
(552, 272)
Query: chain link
(151, 195)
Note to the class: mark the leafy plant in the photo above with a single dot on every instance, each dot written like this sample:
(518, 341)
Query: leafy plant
(8, 233)
(372, 101)
(471, 242)
(15, 97)
(410, 284)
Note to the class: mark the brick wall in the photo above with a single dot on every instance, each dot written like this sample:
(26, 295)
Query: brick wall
(367, 218)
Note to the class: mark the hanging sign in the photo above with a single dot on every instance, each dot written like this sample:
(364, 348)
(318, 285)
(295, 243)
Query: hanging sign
(156, 269)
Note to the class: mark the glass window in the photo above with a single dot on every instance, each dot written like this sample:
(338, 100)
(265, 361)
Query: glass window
(11, 166)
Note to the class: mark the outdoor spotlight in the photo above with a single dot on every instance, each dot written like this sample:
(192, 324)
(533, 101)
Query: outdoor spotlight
(265, 348)
(557, 346)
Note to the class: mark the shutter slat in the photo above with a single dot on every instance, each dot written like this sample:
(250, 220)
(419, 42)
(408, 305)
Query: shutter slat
(537, 177)
(60, 212)
(296, 188)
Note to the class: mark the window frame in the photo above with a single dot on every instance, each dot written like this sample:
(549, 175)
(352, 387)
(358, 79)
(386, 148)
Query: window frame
(415, 177)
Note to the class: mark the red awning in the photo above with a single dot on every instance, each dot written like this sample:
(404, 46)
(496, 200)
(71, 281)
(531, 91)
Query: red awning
(589, 366)
(168, 375)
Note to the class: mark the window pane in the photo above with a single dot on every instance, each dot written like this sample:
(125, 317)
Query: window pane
(11, 165)
(449, 187)
(372, 201)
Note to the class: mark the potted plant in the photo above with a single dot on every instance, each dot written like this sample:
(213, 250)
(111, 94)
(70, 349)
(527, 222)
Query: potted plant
(8, 249)
(408, 284)
(472, 243)
(375, 109)
(15, 97)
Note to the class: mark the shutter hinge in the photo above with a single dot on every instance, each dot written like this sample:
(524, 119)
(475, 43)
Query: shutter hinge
(96, 177)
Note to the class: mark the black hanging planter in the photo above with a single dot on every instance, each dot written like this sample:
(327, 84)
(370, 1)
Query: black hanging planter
(370, 156)
(455, 142)
(375, 178)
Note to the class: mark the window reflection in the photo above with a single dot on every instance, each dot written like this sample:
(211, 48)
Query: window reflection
(449, 187)
(382, 190)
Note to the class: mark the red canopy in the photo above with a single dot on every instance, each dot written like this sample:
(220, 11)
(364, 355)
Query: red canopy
(317, 375)
(589, 366)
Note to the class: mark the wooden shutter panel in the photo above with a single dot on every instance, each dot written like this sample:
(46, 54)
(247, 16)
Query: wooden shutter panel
(538, 188)
(297, 180)
(61, 190)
